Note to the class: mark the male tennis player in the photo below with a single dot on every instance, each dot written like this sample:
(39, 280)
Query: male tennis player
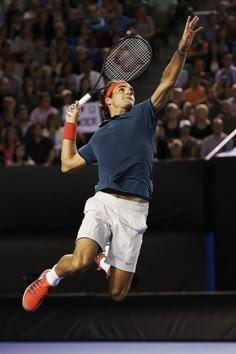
(123, 148)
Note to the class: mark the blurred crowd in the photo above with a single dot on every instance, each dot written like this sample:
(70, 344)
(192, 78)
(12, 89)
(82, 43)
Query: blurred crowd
(51, 53)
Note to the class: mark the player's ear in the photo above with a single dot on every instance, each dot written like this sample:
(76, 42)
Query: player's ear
(107, 101)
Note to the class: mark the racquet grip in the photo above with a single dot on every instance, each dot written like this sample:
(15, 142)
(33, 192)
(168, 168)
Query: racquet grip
(83, 100)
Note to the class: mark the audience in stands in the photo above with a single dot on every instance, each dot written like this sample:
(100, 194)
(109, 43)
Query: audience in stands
(51, 52)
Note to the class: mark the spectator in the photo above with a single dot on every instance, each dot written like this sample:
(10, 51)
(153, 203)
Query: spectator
(23, 124)
(195, 93)
(176, 149)
(28, 96)
(201, 126)
(40, 148)
(54, 131)
(162, 149)
(91, 75)
(213, 140)
(171, 122)
(19, 157)
(143, 24)
(8, 114)
(228, 117)
(9, 141)
(228, 71)
(188, 141)
(94, 22)
(212, 101)
(232, 98)
(44, 108)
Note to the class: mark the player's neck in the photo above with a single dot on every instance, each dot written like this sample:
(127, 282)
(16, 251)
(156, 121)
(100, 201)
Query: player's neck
(117, 111)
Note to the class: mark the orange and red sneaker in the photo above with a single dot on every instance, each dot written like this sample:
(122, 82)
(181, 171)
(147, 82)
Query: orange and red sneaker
(36, 292)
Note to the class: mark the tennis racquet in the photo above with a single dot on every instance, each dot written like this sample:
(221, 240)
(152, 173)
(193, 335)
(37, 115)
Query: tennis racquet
(126, 60)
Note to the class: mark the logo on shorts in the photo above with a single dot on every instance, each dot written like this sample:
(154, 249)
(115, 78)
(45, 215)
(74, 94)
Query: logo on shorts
(129, 263)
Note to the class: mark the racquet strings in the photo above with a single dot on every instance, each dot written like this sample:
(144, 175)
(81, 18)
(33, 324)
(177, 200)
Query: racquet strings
(128, 59)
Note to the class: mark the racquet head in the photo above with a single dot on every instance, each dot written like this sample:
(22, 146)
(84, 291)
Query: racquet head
(127, 59)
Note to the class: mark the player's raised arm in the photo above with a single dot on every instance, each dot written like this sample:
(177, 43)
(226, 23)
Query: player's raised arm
(70, 158)
(172, 71)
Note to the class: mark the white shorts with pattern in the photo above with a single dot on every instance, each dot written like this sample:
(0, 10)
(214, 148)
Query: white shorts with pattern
(118, 221)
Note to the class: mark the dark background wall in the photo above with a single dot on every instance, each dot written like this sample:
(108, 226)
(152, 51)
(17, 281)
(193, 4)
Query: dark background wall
(41, 210)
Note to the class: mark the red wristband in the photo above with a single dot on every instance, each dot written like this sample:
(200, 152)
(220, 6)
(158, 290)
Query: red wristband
(69, 131)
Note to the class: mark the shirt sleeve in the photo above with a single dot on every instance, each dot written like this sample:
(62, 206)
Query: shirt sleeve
(87, 153)
(149, 113)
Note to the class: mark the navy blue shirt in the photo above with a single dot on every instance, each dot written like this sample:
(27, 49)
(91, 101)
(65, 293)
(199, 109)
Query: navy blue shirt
(124, 149)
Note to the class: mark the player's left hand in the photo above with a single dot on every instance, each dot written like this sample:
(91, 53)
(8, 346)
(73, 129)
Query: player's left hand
(189, 33)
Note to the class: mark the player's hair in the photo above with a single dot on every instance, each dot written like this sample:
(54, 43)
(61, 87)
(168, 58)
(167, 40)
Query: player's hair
(102, 103)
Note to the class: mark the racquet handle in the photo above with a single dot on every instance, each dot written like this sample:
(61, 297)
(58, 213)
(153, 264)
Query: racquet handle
(83, 100)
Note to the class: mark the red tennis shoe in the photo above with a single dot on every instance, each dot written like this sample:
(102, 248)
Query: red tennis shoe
(36, 292)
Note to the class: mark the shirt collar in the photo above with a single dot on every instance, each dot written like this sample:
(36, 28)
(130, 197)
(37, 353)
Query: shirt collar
(108, 120)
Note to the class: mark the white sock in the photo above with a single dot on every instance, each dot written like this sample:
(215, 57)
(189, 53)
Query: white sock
(52, 277)
(104, 265)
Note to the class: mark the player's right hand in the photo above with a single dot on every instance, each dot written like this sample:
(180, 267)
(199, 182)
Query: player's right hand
(73, 112)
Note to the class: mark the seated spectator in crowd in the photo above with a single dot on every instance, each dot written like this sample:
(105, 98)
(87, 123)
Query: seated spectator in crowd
(161, 146)
(176, 96)
(19, 157)
(23, 124)
(201, 126)
(212, 101)
(8, 112)
(213, 140)
(68, 77)
(232, 98)
(228, 117)
(213, 59)
(123, 21)
(171, 121)
(9, 141)
(28, 96)
(198, 68)
(54, 131)
(228, 71)
(188, 141)
(15, 82)
(195, 93)
(90, 74)
(44, 108)
(40, 148)
(143, 24)
(94, 22)
(223, 87)
(176, 149)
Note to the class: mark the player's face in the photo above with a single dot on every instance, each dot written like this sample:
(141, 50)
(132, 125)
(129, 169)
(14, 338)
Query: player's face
(123, 96)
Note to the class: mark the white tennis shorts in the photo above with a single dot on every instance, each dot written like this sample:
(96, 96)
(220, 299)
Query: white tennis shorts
(118, 221)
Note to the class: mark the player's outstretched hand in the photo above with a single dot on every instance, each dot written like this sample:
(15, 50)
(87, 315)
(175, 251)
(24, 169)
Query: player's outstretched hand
(189, 33)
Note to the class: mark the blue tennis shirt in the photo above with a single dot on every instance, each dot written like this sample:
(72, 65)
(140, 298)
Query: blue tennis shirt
(124, 149)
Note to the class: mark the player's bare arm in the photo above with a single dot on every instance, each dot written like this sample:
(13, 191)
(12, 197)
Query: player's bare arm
(173, 69)
(70, 158)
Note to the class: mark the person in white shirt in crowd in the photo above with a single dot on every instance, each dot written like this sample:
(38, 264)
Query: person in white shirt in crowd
(213, 140)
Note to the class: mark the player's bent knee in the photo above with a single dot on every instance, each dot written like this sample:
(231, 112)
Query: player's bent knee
(118, 295)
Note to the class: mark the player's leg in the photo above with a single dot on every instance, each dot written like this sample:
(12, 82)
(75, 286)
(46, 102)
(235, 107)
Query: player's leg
(82, 257)
(119, 283)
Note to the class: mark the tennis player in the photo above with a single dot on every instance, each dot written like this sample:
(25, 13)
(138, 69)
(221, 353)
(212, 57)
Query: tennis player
(116, 215)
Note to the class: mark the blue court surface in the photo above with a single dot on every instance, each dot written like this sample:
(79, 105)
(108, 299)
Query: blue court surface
(117, 348)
